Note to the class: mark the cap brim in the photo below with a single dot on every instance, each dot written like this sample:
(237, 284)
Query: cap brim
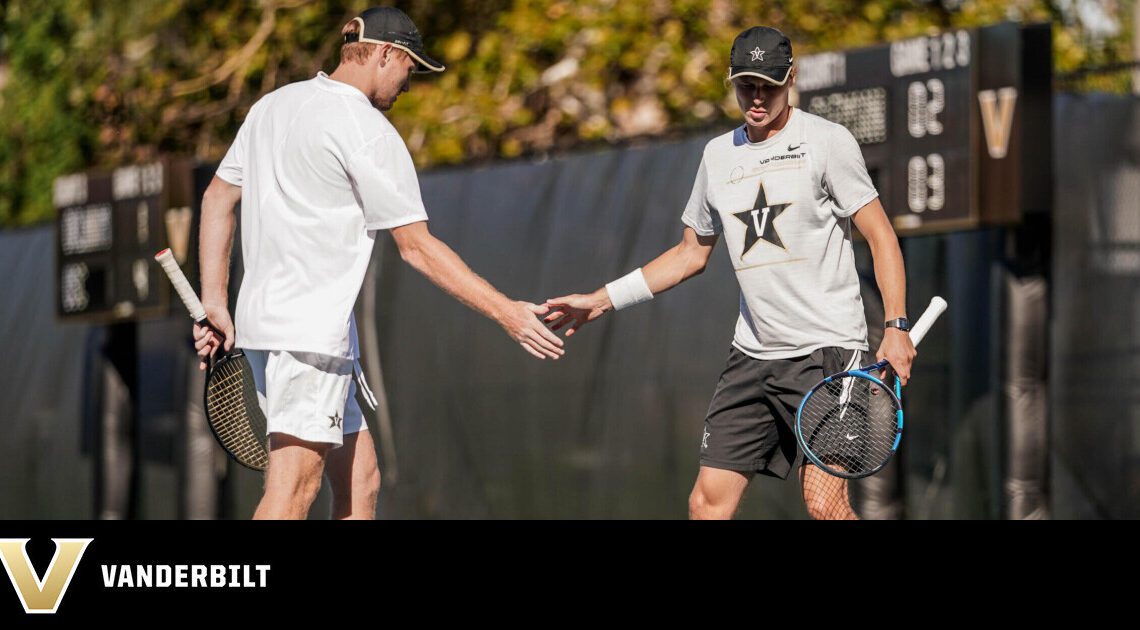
(747, 72)
(424, 64)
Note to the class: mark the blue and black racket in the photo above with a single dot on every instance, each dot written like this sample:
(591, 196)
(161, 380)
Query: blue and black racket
(850, 423)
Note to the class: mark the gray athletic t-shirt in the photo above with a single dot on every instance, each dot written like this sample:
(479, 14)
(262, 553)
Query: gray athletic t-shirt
(784, 207)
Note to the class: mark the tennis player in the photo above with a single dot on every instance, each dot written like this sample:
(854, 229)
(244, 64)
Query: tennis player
(318, 170)
(783, 188)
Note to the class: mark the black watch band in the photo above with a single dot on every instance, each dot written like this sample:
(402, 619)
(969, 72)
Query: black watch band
(901, 323)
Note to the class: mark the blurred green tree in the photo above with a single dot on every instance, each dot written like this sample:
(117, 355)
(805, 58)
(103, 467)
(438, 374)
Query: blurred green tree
(96, 84)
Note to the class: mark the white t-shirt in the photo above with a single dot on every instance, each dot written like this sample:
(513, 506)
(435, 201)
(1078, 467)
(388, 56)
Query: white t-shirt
(320, 170)
(784, 206)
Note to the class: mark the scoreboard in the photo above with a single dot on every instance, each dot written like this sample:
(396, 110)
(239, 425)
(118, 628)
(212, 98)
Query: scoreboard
(955, 127)
(108, 227)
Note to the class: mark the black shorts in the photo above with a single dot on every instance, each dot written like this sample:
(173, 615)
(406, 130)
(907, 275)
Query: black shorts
(751, 424)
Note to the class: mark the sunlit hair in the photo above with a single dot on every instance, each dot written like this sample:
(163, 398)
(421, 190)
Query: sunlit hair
(355, 52)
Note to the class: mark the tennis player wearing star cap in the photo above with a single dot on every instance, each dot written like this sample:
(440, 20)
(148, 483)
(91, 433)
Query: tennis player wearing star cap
(783, 189)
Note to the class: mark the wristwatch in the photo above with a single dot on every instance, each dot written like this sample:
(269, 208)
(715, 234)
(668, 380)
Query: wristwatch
(901, 323)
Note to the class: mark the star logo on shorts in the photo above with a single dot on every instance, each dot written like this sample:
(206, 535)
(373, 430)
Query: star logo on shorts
(760, 222)
(334, 421)
(757, 54)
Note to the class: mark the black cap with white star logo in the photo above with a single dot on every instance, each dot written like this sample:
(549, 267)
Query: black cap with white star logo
(761, 52)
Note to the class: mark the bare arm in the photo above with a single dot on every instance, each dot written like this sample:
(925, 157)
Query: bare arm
(676, 265)
(890, 275)
(215, 242)
(441, 265)
(680, 262)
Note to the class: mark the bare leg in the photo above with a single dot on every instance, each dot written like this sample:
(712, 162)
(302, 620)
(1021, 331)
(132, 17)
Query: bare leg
(825, 495)
(292, 479)
(354, 477)
(717, 493)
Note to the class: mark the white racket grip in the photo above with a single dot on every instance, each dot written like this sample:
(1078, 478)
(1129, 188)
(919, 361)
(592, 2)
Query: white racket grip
(181, 284)
(919, 330)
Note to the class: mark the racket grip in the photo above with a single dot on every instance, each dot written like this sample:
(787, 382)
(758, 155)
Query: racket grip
(919, 330)
(181, 285)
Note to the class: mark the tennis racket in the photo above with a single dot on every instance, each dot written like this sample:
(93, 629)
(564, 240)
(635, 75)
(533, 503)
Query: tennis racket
(232, 409)
(850, 423)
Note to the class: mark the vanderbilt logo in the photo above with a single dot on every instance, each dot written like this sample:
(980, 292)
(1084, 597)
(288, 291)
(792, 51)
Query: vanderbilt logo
(760, 222)
(42, 595)
(178, 231)
(997, 119)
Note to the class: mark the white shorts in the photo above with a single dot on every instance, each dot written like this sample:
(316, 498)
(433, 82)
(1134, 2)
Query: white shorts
(309, 396)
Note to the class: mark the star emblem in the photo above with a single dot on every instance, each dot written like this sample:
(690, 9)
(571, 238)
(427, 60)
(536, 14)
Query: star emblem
(334, 420)
(757, 54)
(759, 222)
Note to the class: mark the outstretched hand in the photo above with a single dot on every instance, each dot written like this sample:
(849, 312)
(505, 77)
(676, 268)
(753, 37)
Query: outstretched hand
(521, 323)
(574, 311)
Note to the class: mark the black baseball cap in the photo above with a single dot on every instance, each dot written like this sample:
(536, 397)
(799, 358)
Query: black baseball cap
(389, 25)
(762, 52)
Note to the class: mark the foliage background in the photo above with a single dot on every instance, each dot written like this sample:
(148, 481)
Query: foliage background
(96, 84)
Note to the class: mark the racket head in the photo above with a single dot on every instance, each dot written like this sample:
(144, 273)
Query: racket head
(850, 424)
(233, 411)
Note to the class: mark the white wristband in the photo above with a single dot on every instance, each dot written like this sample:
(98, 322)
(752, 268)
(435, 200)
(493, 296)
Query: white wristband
(629, 289)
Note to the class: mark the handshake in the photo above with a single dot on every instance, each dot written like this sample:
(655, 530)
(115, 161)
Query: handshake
(570, 312)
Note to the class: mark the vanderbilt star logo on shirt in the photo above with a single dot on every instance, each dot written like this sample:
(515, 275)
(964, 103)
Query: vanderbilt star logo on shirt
(334, 420)
(759, 222)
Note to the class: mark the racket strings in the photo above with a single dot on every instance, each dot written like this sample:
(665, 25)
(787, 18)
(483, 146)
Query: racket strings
(850, 424)
(826, 497)
(230, 399)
